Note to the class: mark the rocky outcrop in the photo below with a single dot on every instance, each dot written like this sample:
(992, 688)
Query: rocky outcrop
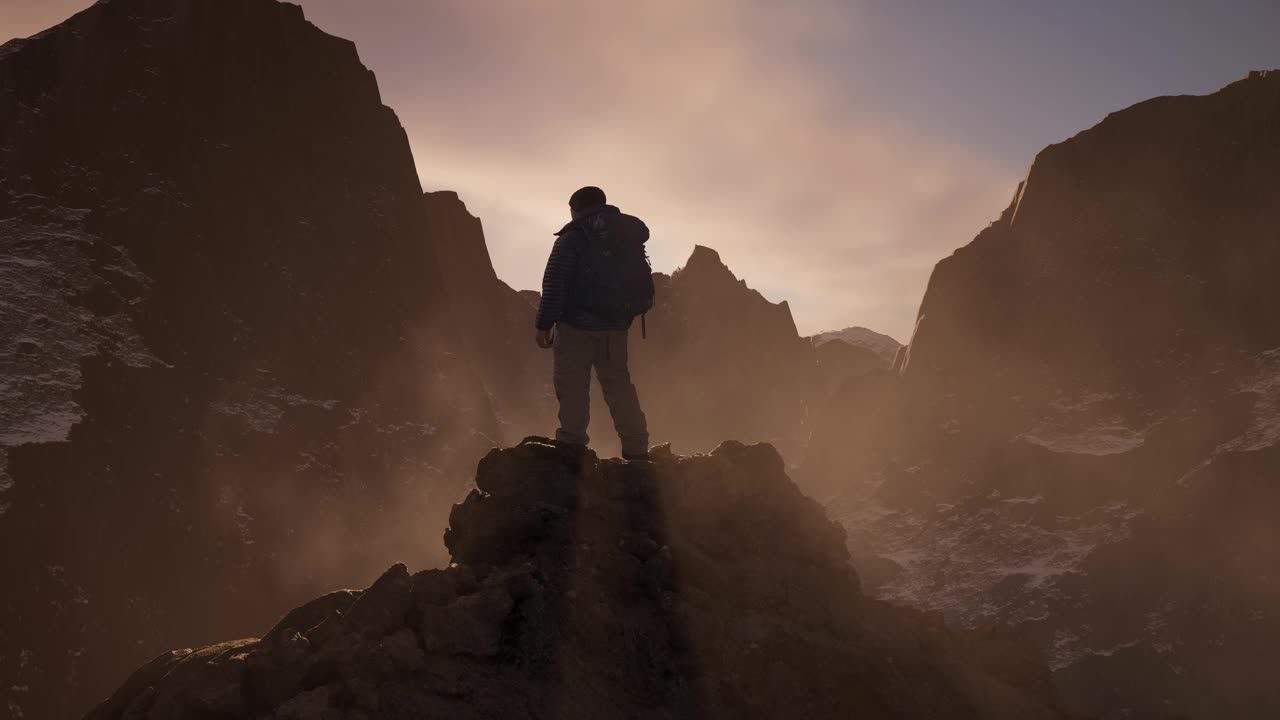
(218, 334)
(691, 587)
(1084, 427)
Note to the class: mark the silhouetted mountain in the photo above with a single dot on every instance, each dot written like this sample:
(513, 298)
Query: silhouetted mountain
(1084, 436)
(721, 360)
(222, 364)
(882, 345)
(494, 323)
(839, 362)
(704, 587)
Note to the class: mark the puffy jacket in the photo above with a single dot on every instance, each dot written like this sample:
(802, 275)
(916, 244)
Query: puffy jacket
(562, 267)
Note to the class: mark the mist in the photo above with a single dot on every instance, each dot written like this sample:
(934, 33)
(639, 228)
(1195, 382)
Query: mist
(961, 372)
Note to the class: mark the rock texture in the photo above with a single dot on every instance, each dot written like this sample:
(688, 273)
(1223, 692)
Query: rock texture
(218, 335)
(1083, 439)
(688, 588)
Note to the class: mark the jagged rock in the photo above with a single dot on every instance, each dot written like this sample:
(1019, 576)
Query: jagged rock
(383, 607)
(722, 360)
(704, 586)
(312, 614)
(1085, 418)
(221, 320)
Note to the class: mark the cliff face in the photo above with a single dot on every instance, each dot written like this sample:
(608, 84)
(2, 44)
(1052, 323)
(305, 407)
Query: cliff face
(219, 328)
(687, 588)
(494, 323)
(1084, 430)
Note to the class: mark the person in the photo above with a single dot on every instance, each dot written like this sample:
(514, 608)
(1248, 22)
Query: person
(596, 281)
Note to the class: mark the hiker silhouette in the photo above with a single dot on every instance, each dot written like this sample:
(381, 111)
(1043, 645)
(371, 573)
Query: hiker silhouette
(597, 281)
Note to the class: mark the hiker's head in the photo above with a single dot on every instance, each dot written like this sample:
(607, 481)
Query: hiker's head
(587, 198)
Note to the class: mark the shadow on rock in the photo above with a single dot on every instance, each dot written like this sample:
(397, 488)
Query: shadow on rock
(687, 587)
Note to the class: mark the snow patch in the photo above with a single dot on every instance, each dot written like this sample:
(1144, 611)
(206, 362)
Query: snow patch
(262, 408)
(984, 559)
(45, 266)
(1036, 500)
(1264, 431)
(1110, 437)
(1082, 425)
(1068, 648)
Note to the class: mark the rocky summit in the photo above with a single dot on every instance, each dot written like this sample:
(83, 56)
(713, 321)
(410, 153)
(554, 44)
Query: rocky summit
(689, 587)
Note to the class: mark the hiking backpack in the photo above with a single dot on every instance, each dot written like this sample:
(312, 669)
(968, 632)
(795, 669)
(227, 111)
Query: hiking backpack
(615, 280)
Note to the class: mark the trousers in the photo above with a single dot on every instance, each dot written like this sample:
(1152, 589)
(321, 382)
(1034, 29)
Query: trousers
(576, 353)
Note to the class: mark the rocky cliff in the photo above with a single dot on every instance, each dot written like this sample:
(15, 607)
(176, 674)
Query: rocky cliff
(1083, 437)
(219, 338)
(691, 587)
(494, 322)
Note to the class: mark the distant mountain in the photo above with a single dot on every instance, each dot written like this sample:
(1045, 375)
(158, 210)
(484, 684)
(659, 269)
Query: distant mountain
(1085, 435)
(226, 356)
(696, 587)
(722, 361)
(839, 362)
(882, 345)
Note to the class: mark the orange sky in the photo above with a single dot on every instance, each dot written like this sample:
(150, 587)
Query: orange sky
(829, 165)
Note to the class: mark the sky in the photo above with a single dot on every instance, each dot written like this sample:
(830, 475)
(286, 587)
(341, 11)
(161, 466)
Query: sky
(832, 151)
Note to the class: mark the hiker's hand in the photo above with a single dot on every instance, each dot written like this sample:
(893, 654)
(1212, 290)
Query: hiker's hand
(544, 339)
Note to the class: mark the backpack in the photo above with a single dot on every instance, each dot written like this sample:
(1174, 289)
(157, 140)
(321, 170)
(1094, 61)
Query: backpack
(614, 279)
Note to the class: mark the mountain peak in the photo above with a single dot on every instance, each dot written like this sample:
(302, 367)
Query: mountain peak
(704, 259)
(448, 200)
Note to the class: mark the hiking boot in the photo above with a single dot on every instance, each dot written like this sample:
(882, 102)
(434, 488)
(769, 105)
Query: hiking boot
(576, 453)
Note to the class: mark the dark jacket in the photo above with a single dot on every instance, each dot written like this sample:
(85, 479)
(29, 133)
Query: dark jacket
(562, 267)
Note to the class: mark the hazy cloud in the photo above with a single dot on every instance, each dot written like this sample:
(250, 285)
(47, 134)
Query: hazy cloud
(711, 122)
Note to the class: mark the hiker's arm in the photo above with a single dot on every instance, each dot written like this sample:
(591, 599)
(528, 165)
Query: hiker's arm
(555, 282)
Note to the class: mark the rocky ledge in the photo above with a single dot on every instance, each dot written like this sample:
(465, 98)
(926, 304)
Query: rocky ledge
(704, 586)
